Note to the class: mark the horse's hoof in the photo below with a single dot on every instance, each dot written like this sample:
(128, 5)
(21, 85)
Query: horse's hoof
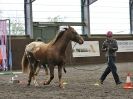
(45, 83)
(62, 86)
(36, 85)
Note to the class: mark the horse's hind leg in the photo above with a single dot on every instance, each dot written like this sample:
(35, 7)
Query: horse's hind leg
(31, 74)
(46, 69)
(36, 71)
(51, 69)
(31, 65)
(37, 67)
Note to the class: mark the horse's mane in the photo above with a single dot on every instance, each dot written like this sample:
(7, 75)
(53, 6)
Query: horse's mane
(59, 35)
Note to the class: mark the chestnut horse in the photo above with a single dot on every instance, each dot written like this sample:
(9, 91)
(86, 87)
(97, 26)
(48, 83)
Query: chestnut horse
(52, 54)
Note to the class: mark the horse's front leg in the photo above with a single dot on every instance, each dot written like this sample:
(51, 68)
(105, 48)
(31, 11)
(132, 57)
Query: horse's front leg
(51, 69)
(60, 77)
(35, 81)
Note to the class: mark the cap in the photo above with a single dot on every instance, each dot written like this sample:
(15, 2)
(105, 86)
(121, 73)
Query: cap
(109, 34)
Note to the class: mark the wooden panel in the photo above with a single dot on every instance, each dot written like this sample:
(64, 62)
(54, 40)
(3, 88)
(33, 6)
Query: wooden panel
(18, 45)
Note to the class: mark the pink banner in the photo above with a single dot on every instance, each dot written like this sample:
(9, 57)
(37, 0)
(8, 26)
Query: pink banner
(3, 32)
(3, 43)
(3, 27)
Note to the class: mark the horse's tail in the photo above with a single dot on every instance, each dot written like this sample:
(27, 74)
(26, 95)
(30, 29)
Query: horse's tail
(24, 63)
(64, 69)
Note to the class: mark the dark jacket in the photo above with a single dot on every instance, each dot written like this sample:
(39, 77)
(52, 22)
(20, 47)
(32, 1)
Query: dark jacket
(110, 47)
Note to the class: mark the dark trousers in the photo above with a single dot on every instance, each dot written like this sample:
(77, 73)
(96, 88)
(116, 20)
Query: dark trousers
(110, 68)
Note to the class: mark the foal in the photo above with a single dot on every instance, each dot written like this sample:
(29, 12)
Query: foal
(53, 53)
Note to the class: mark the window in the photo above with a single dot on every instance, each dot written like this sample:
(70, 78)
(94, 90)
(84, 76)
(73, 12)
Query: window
(105, 15)
(14, 11)
(110, 15)
(57, 11)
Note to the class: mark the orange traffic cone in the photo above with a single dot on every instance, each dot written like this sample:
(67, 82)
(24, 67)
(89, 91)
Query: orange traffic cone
(128, 84)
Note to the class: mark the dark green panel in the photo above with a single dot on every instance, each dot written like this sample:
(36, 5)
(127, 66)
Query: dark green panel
(37, 32)
(46, 33)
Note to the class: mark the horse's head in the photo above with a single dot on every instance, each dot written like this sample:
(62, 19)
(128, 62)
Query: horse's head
(74, 36)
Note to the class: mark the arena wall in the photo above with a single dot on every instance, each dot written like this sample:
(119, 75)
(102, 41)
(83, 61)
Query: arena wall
(18, 44)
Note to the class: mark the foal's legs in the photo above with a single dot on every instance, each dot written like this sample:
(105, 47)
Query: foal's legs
(51, 69)
(60, 76)
(31, 67)
(35, 81)
(37, 67)
(46, 69)
(31, 74)
(36, 71)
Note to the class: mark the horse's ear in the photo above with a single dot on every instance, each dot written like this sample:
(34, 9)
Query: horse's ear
(65, 29)
(69, 27)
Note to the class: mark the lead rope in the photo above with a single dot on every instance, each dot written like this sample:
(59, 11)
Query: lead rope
(74, 45)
